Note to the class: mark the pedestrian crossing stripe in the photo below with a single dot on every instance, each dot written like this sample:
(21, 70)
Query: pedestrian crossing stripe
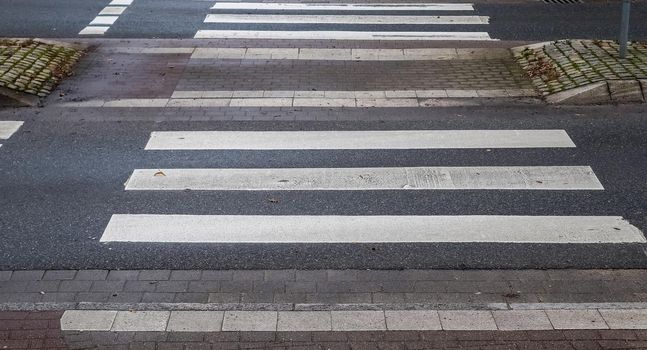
(344, 19)
(367, 139)
(340, 35)
(353, 179)
(8, 128)
(230, 229)
(340, 7)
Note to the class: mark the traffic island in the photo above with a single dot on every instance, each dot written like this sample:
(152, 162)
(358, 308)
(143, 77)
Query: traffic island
(585, 71)
(30, 69)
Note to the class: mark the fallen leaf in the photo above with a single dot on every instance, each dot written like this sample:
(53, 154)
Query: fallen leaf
(159, 173)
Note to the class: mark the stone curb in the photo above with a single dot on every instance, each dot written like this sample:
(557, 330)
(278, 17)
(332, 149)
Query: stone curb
(19, 98)
(352, 321)
(610, 91)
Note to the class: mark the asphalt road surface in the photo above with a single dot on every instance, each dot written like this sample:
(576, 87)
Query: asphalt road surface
(61, 182)
(524, 20)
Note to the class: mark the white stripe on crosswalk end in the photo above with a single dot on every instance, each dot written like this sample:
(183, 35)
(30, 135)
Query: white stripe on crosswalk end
(339, 35)
(394, 178)
(345, 19)
(340, 7)
(369, 229)
(386, 139)
(8, 128)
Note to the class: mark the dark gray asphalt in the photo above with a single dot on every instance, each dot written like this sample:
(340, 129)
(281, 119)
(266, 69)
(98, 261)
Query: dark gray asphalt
(523, 20)
(60, 183)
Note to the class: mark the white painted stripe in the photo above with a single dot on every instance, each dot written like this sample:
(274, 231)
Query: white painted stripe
(94, 30)
(345, 19)
(339, 35)
(104, 20)
(395, 178)
(120, 2)
(341, 7)
(112, 10)
(8, 128)
(369, 229)
(391, 139)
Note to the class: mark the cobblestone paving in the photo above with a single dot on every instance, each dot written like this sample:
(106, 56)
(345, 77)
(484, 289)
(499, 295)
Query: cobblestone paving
(34, 67)
(568, 64)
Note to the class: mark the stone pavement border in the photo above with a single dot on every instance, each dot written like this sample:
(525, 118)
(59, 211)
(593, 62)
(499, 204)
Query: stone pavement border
(319, 289)
(364, 320)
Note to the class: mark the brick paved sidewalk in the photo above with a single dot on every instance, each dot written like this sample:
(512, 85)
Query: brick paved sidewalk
(23, 293)
(430, 287)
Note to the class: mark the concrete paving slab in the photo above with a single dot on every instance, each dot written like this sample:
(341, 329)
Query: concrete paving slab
(576, 319)
(195, 321)
(262, 321)
(412, 320)
(304, 321)
(358, 321)
(467, 320)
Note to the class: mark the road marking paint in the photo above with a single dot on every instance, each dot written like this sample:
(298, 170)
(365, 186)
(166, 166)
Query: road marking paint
(8, 128)
(104, 20)
(388, 139)
(340, 7)
(394, 320)
(344, 19)
(112, 10)
(354, 179)
(339, 35)
(369, 229)
(94, 30)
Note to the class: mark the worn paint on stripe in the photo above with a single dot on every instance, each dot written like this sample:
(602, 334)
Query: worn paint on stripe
(8, 128)
(103, 20)
(339, 35)
(344, 19)
(341, 7)
(369, 229)
(94, 30)
(374, 139)
(395, 178)
(112, 10)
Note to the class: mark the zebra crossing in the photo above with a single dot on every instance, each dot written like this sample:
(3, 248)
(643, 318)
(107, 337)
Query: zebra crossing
(8, 128)
(352, 21)
(332, 229)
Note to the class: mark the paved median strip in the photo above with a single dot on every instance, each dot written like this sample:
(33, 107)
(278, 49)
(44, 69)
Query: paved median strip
(280, 229)
(262, 53)
(414, 54)
(342, 321)
(366, 139)
(353, 179)
(348, 99)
